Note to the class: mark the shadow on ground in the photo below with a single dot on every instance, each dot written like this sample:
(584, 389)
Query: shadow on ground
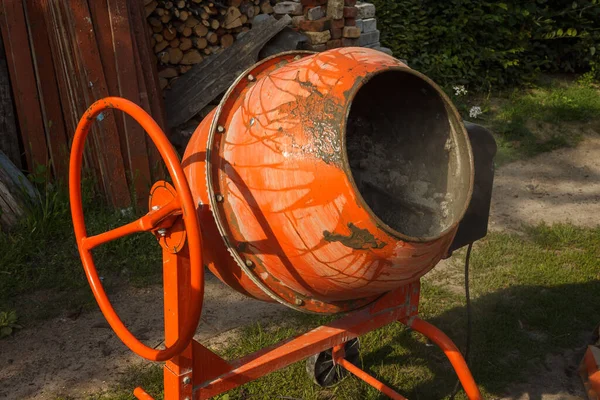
(527, 344)
(561, 186)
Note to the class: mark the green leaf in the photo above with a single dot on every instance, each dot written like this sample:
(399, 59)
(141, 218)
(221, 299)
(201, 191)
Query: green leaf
(574, 5)
(5, 331)
(12, 317)
(592, 50)
(503, 6)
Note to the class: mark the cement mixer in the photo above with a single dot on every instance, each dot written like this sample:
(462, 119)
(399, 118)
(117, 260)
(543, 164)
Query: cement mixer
(329, 183)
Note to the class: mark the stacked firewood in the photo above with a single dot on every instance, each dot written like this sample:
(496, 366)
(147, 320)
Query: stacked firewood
(187, 31)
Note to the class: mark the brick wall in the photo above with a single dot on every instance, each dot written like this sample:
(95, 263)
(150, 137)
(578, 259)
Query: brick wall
(328, 24)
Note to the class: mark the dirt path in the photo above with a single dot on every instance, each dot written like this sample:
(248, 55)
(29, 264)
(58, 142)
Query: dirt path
(561, 186)
(65, 357)
(76, 357)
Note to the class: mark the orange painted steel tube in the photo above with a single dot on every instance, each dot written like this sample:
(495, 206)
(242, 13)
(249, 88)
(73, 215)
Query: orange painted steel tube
(453, 354)
(187, 206)
(141, 394)
(369, 379)
(295, 349)
(590, 373)
(144, 224)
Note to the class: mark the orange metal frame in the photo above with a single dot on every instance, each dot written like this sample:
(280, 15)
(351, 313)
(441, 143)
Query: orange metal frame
(191, 370)
(590, 372)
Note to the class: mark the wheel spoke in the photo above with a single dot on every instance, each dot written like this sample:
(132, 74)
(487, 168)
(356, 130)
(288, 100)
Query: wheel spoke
(330, 376)
(323, 366)
(144, 224)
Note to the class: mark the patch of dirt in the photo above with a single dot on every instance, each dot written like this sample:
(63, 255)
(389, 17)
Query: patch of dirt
(557, 187)
(556, 379)
(78, 357)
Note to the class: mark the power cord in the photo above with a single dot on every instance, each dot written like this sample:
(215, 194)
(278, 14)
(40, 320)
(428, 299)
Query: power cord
(469, 319)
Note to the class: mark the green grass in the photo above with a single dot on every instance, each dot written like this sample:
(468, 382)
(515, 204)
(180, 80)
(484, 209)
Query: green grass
(527, 122)
(533, 294)
(40, 270)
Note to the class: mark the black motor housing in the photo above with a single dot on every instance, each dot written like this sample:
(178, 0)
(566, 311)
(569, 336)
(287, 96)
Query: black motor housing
(474, 225)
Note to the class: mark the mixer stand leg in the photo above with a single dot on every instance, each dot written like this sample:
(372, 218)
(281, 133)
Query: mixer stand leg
(338, 358)
(452, 352)
(327, 372)
(435, 335)
(201, 374)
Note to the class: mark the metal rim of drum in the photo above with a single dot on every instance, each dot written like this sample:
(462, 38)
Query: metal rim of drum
(455, 124)
(241, 82)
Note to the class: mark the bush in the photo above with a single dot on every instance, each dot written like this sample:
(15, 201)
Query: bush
(487, 44)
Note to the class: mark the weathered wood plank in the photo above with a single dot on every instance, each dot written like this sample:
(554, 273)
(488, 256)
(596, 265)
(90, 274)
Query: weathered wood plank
(101, 21)
(150, 91)
(9, 139)
(25, 94)
(43, 64)
(72, 99)
(154, 158)
(205, 81)
(16, 193)
(142, 35)
(111, 22)
(62, 64)
(129, 89)
(107, 137)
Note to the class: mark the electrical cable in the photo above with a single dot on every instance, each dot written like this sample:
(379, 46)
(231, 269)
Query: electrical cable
(469, 317)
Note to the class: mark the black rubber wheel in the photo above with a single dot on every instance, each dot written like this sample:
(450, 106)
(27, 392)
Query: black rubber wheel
(323, 372)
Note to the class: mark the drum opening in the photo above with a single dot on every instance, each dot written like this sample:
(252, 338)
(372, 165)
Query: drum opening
(408, 154)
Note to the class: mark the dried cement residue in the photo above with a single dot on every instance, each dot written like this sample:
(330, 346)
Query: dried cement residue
(398, 187)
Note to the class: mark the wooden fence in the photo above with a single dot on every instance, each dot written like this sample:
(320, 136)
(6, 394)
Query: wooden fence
(61, 57)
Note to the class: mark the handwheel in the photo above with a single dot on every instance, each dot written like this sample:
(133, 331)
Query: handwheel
(180, 206)
(321, 368)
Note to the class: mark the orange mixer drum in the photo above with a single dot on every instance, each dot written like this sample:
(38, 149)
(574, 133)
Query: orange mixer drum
(325, 180)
